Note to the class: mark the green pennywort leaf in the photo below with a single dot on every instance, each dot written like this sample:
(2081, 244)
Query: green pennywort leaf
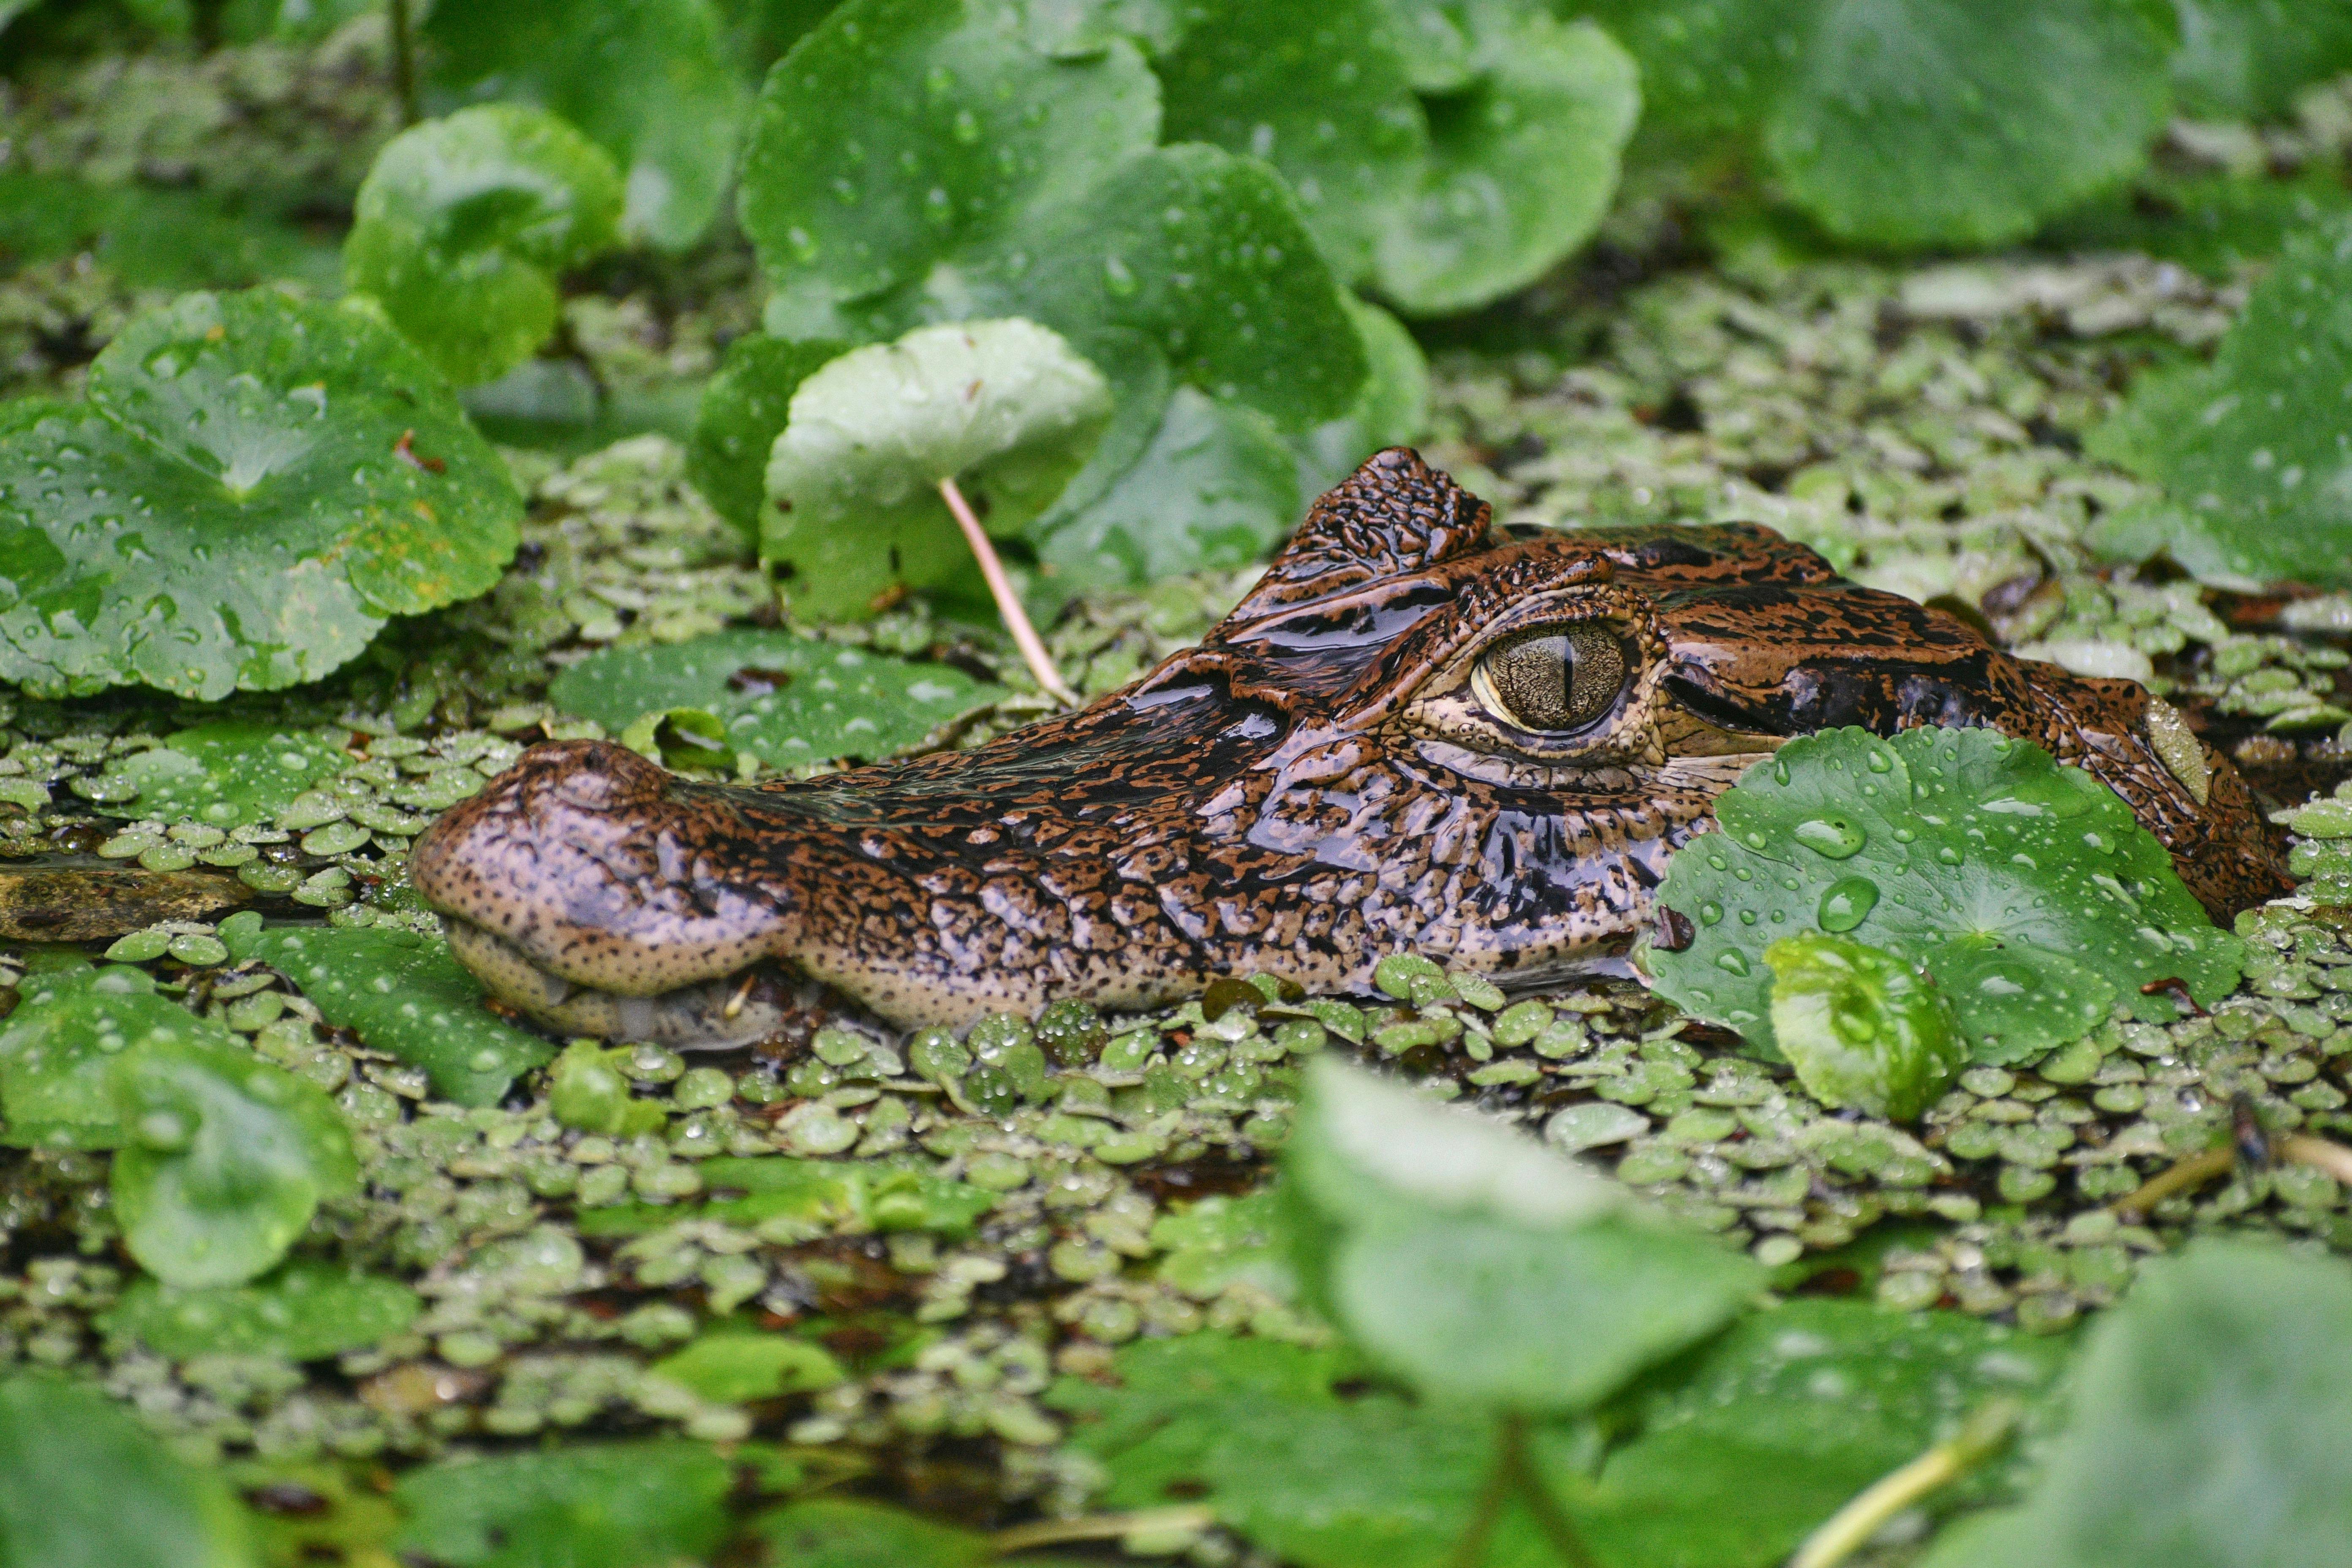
(1004, 408)
(2211, 1422)
(594, 1505)
(1482, 1268)
(464, 224)
(2027, 891)
(84, 1485)
(2020, 108)
(254, 487)
(2258, 487)
(1861, 1027)
(1523, 159)
(303, 1312)
(227, 773)
(400, 993)
(2244, 59)
(787, 700)
(743, 410)
(226, 1158)
(731, 1367)
(59, 1051)
(648, 80)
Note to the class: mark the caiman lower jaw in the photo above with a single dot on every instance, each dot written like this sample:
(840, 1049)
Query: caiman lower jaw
(721, 1014)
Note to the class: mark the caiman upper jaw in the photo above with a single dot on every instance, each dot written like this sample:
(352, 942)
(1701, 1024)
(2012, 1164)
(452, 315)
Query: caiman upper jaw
(578, 864)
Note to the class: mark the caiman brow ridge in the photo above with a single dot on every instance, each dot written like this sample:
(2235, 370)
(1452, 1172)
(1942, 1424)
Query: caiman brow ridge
(1317, 785)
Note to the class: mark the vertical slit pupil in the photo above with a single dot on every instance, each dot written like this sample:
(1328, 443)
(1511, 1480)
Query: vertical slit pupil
(1558, 679)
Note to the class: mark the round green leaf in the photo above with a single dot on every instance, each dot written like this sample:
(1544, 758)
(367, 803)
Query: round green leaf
(2212, 1424)
(2026, 891)
(464, 225)
(743, 410)
(1861, 1027)
(648, 80)
(904, 135)
(84, 1485)
(1522, 162)
(227, 773)
(1480, 1266)
(1004, 408)
(1391, 411)
(60, 1046)
(226, 1158)
(1217, 488)
(400, 993)
(1922, 123)
(2260, 479)
(255, 486)
(786, 699)
(595, 1505)
(303, 1312)
(1707, 66)
(1319, 89)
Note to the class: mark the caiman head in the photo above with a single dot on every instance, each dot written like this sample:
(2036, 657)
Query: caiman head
(1415, 735)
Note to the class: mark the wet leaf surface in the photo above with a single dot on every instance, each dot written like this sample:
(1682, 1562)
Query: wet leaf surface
(2025, 890)
(401, 993)
(854, 517)
(592, 1505)
(291, 474)
(83, 1485)
(303, 1312)
(229, 774)
(787, 700)
(465, 224)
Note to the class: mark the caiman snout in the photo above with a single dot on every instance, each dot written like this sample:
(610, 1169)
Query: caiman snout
(576, 892)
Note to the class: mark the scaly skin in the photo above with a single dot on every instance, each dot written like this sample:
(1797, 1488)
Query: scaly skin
(1315, 787)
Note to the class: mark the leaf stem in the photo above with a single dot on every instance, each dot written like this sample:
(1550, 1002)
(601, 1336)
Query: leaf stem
(1008, 602)
(1100, 1527)
(403, 61)
(1851, 1527)
(1549, 1517)
(1471, 1550)
(2186, 1175)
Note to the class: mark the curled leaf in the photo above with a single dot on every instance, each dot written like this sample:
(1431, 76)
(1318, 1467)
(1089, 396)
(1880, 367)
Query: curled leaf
(1861, 1027)
(464, 226)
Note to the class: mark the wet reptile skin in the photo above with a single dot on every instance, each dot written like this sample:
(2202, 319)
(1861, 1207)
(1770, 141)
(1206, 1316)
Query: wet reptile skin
(1317, 785)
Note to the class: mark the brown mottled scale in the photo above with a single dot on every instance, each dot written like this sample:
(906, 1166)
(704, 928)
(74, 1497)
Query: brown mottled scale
(1326, 780)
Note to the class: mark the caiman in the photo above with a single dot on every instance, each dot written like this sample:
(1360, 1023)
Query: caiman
(1417, 733)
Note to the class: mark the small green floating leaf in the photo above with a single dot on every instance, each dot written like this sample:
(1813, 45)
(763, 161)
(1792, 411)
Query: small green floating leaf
(464, 224)
(254, 487)
(648, 80)
(743, 410)
(226, 1158)
(592, 1505)
(301, 1313)
(2019, 108)
(84, 1485)
(1862, 1027)
(400, 993)
(588, 1090)
(227, 773)
(2258, 489)
(2025, 890)
(731, 1367)
(2210, 1422)
(1003, 408)
(786, 699)
(1481, 1267)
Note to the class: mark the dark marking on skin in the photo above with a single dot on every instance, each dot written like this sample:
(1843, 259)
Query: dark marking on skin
(1315, 787)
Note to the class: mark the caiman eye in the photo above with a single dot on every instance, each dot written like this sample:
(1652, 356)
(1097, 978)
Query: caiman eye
(1559, 677)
